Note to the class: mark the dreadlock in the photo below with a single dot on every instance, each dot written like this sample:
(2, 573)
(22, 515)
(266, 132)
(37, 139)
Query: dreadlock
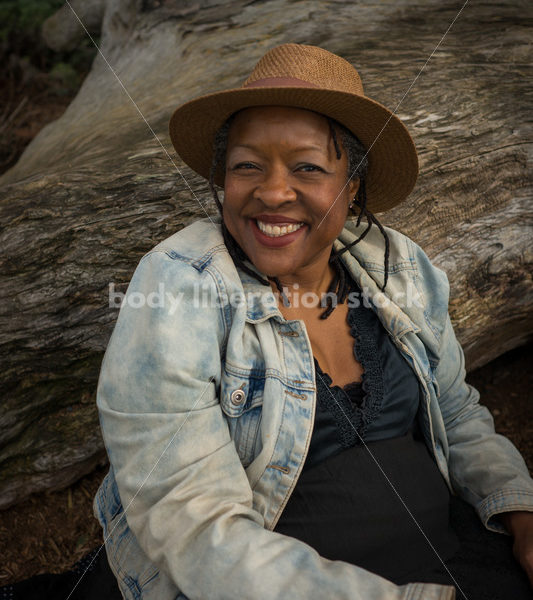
(357, 168)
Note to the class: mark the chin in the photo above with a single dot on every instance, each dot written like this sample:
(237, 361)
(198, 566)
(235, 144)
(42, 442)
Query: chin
(268, 270)
(271, 268)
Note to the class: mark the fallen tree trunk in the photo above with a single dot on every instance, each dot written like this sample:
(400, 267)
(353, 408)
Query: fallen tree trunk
(95, 190)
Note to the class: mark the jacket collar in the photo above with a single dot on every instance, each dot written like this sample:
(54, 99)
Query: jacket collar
(202, 241)
(364, 262)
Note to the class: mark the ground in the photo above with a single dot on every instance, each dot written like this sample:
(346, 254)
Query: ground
(50, 532)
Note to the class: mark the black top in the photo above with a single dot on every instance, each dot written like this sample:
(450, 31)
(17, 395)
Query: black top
(383, 405)
(374, 504)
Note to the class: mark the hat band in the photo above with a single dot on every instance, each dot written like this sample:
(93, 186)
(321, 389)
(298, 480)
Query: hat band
(279, 82)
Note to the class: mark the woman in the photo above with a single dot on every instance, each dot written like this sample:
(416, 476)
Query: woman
(258, 452)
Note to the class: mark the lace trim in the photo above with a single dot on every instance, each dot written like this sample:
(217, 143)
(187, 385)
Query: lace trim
(334, 400)
(366, 350)
(367, 405)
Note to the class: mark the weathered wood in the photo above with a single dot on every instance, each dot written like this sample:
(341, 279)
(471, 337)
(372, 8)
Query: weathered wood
(95, 190)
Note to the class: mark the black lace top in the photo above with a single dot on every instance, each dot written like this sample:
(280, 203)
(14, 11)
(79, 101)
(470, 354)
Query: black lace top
(346, 503)
(383, 405)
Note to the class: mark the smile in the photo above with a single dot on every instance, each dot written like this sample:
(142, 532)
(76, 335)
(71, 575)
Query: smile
(278, 230)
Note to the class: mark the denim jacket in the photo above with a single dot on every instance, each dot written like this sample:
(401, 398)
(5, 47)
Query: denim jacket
(207, 409)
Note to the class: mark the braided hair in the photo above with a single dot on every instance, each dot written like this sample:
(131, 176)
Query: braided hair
(357, 168)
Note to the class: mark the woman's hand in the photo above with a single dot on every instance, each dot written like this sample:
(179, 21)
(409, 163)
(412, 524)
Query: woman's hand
(520, 525)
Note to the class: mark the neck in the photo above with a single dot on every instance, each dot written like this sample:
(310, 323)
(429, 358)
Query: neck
(315, 285)
(308, 281)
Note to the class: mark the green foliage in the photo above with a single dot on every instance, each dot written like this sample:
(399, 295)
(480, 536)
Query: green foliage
(23, 18)
(21, 43)
(66, 77)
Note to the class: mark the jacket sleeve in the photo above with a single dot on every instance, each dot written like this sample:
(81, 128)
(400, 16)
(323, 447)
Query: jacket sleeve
(185, 493)
(485, 468)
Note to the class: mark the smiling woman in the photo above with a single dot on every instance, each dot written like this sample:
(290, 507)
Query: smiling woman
(309, 432)
(282, 171)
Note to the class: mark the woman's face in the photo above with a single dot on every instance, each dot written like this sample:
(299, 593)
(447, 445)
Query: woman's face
(286, 193)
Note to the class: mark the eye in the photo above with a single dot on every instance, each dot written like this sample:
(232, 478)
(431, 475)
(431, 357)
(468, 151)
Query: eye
(244, 165)
(310, 168)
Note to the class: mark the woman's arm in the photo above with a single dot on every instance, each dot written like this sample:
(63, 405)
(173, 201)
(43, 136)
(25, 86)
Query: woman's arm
(486, 469)
(520, 525)
(185, 493)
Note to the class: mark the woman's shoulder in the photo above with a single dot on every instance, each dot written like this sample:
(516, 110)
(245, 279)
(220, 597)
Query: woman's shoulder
(195, 243)
(418, 287)
(370, 248)
(405, 255)
(193, 256)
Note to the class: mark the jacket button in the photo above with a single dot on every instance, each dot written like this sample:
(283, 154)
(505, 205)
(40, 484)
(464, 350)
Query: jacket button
(238, 397)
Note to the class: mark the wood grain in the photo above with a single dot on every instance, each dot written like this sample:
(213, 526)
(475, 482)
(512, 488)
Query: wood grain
(96, 189)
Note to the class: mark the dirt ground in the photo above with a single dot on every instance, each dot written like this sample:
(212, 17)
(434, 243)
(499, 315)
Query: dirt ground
(50, 532)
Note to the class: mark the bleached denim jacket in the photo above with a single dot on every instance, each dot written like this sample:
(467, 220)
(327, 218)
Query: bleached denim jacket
(207, 410)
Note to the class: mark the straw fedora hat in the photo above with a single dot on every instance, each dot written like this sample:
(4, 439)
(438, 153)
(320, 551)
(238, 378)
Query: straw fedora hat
(314, 79)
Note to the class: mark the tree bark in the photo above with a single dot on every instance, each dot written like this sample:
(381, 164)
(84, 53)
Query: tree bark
(100, 186)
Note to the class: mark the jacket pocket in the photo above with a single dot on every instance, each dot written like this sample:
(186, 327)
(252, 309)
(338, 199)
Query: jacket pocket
(132, 568)
(241, 400)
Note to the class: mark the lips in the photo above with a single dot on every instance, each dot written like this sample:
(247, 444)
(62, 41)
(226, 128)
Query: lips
(276, 236)
(278, 230)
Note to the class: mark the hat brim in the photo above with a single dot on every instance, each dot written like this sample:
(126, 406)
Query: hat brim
(392, 157)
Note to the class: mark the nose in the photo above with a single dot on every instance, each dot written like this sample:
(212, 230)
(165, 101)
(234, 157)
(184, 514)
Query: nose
(275, 189)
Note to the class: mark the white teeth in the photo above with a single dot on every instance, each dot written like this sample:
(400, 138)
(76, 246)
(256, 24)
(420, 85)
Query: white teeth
(276, 230)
